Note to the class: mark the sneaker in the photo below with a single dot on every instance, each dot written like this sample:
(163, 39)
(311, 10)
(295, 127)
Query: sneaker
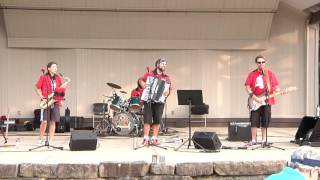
(251, 143)
(145, 142)
(155, 142)
(40, 142)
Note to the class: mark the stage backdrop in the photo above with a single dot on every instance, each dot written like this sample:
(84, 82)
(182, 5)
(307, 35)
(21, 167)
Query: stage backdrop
(219, 73)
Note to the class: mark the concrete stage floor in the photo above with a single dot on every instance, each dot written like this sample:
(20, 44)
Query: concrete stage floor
(119, 148)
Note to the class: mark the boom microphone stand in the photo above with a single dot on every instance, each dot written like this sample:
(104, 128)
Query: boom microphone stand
(48, 124)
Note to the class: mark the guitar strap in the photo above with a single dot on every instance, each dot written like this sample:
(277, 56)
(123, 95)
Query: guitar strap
(268, 84)
(268, 81)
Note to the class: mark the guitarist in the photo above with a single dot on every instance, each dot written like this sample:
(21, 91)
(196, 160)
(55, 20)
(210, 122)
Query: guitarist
(49, 83)
(261, 82)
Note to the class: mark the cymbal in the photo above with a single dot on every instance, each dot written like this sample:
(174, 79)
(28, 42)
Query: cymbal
(114, 85)
(123, 92)
(110, 97)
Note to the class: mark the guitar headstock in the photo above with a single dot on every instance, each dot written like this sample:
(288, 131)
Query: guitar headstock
(66, 79)
(289, 89)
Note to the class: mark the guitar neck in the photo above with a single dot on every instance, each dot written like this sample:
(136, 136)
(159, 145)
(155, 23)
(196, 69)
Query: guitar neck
(274, 94)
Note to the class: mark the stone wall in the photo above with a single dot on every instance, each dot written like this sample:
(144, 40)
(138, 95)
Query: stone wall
(226, 170)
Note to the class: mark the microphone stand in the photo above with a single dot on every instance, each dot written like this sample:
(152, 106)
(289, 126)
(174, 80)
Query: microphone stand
(48, 123)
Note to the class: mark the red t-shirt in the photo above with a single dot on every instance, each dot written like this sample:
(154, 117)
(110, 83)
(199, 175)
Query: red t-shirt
(45, 83)
(258, 84)
(136, 92)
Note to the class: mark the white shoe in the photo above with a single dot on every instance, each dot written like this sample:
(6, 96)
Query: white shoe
(41, 142)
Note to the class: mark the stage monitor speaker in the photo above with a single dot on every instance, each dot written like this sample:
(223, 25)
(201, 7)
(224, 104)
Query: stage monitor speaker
(82, 140)
(208, 140)
(239, 131)
(315, 136)
(306, 125)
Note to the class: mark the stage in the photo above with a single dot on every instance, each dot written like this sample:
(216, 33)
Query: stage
(113, 150)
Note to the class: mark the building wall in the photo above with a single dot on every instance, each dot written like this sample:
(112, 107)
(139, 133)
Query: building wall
(219, 73)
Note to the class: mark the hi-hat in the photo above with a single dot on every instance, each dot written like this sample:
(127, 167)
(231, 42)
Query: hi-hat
(123, 92)
(114, 85)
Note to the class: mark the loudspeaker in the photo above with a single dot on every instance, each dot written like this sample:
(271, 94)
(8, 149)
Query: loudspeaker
(81, 140)
(37, 117)
(306, 125)
(208, 140)
(239, 131)
(315, 136)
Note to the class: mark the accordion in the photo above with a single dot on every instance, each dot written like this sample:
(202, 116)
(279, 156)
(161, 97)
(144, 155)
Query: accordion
(154, 90)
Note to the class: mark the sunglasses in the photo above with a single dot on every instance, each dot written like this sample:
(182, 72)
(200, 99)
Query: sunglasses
(261, 62)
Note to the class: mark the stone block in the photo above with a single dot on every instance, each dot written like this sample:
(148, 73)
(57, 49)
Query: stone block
(165, 169)
(8, 170)
(248, 168)
(84, 171)
(38, 170)
(167, 177)
(123, 169)
(194, 169)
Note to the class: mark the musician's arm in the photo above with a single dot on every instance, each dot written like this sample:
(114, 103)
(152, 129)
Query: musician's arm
(39, 92)
(249, 91)
(253, 96)
(142, 83)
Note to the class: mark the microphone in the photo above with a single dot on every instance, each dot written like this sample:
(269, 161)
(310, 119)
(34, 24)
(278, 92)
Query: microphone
(118, 129)
(42, 70)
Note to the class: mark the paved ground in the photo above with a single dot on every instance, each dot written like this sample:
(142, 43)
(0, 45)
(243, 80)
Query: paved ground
(116, 148)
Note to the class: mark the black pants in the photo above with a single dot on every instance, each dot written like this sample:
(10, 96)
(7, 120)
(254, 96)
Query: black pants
(152, 112)
(261, 117)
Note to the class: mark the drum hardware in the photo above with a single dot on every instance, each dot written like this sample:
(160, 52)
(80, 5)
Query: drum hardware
(123, 92)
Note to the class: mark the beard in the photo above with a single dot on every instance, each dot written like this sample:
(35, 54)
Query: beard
(161, 69)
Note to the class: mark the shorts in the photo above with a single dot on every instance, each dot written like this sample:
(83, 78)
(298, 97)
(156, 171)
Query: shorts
(54, 114)
(261, 117)
(152, 112)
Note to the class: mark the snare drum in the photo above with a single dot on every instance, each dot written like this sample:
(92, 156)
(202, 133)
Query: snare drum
(116, 103)
(134, 105)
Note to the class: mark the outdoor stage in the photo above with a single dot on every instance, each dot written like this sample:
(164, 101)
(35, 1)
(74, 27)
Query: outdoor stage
(115, 157)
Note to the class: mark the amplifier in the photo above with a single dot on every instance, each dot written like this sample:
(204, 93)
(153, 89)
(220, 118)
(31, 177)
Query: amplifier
(239, 131)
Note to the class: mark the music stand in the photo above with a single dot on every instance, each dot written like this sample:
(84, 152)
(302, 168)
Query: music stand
(190, 97)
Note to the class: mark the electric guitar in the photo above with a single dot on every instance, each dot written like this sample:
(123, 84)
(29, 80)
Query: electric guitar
(44, 104)
(254, 105)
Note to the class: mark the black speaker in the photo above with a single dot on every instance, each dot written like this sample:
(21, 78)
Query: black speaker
(37, 117)
(315, 136)
(82, 140)
(208, 140)
(239, 131)
(306, 125)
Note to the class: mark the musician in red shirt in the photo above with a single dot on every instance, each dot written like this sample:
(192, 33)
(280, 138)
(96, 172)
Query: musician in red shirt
(48, 83)
(137, 92)
(259, 83)
(153, 110)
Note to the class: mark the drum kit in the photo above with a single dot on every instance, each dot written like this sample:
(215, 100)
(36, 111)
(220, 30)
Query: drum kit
(127, 115)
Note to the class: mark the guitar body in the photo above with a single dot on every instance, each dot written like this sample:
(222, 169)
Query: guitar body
(254, 105)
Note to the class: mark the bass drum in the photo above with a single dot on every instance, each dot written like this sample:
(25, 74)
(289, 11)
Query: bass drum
(126, 123)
